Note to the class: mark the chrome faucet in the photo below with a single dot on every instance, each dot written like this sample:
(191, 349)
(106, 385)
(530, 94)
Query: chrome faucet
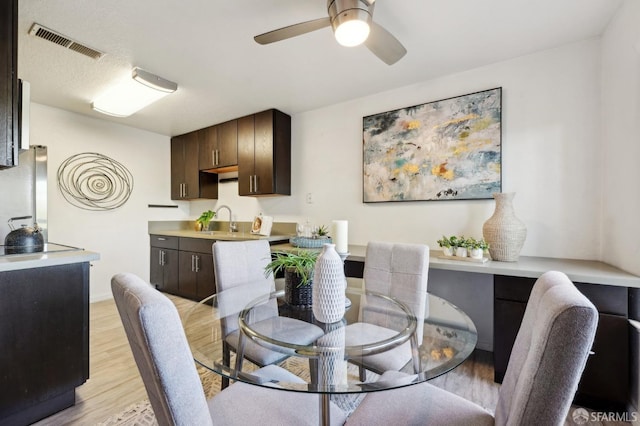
(232, 224)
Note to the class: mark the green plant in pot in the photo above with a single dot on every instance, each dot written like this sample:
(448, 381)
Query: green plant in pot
(297, 267)
(202, 223)
(445, 244)
(477, 247)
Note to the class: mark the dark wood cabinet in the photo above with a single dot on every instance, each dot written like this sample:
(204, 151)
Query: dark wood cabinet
(219, 146)
(197, 279)
(182, 266)
(164, 263)
(605, 380)
(44, 337)
(196, 275)
(264, 154)
(257, 146)
(9, 83)
(187, 182)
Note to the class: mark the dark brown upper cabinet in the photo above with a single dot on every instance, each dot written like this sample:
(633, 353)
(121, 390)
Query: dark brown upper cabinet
(8, 83)
(187, 182)
(264, 154)
(219, 147)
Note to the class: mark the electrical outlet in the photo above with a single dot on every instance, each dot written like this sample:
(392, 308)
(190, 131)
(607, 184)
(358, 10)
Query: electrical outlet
(309, 198)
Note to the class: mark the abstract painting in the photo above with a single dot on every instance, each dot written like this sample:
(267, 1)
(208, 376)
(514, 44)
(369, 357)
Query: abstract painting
(443, 150)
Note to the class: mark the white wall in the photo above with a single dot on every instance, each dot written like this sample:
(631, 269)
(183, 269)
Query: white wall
(550, 143)
(620, 147)
(551, 159)
(120, 236)
(620, 151)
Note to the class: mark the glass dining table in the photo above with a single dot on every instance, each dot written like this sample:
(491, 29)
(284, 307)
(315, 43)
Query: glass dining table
(380, 344)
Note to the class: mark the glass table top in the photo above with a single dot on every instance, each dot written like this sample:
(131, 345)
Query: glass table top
(374, 330)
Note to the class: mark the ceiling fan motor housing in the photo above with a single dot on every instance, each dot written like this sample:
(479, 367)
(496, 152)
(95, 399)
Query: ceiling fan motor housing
(341, 11)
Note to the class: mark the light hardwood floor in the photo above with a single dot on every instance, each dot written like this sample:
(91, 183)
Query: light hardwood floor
(115, 383)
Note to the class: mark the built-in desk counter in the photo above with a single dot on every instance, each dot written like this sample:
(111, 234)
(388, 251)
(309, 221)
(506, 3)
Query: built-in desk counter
(585, 271)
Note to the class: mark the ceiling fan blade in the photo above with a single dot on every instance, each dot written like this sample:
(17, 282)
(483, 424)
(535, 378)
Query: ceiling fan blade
(384, 45)
(292, 31)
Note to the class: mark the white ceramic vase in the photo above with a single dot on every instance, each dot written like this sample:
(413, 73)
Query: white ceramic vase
(329, 286)
(504, 232)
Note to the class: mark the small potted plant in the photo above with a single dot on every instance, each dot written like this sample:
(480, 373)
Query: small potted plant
(445, 244)
(461, 244)
(322, 232)
(297, 267)
(477, 248)
(202, 223)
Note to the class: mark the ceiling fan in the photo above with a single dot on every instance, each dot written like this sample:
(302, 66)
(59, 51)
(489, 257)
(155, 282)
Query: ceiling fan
(352, 25)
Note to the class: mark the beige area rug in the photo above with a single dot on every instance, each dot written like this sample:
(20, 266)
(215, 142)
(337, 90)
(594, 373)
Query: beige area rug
(141, 413)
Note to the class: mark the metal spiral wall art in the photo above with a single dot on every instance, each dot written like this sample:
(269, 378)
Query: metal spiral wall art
(93, 181)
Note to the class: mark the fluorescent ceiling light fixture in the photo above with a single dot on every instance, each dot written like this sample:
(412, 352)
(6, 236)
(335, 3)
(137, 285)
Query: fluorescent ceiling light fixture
(351, 26)
(133, 94)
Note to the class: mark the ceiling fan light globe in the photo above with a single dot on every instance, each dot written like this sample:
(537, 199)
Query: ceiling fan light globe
(352, 33)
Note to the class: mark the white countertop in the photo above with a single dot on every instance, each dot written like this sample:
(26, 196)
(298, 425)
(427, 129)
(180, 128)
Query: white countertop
(584, 271)
(217, 235)
(41, 260)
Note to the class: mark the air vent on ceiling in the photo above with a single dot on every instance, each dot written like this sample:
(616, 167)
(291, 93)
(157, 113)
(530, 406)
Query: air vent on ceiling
(64, 41)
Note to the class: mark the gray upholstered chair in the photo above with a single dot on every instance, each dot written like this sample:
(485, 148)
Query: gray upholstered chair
(399, 271)
(240, 269)
(546, 363)
(162, 354)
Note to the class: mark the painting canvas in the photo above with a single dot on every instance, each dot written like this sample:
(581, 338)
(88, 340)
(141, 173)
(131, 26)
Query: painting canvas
(443, 150)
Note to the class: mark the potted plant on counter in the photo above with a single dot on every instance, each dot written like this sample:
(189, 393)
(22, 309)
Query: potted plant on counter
(477, 247)
(297, 267)
(445, 244)
(460, 244)
(202, 223)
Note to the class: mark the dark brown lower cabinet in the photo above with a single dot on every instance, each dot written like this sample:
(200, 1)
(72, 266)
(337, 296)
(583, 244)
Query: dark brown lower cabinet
(605, 380)
(44, 336)
(163, 271)
(182, 266)
(196, 275)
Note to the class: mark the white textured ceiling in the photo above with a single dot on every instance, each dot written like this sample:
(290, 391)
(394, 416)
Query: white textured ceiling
(207, 47)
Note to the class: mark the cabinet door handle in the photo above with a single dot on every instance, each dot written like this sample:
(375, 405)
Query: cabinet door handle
(250, 184)
(192, 263)
(255, 183)
(213, 157)
(162, 239)
(184, 195)
(160, 257)
(197, 263)
(217, 157)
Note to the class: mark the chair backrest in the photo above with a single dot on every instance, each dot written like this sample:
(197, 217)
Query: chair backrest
(240, 264)
(399, 271)
(549, 354)
(161, 351)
